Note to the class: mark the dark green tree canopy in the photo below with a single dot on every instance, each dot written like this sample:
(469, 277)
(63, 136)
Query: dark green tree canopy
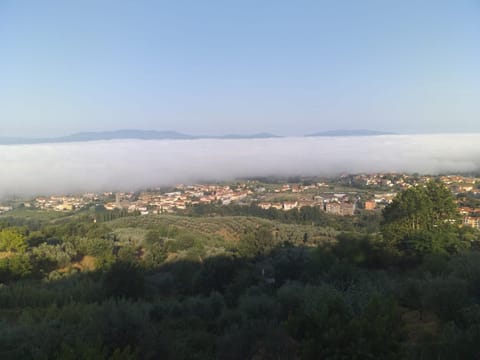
(423, 219)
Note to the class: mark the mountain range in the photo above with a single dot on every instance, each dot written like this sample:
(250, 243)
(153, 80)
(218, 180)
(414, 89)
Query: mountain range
(355, 132)
(166, 135)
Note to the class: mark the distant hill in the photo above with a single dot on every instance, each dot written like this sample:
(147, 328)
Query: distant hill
(16, 141)
(353, 132)
(127, 134)
(123, 134)
(253, 136)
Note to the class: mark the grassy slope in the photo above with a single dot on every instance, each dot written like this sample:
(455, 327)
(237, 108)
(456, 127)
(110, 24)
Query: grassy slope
(41, 215)
(229, 228)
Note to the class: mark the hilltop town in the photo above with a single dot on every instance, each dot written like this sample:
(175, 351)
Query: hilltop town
(344, 195)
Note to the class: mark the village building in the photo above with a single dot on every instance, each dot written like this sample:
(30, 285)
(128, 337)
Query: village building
(370, 205)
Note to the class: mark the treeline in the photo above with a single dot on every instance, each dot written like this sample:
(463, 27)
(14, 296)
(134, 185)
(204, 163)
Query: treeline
(102, 215)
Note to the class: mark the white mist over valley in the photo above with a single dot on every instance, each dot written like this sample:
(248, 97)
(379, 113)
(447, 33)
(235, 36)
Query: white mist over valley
(135, 164)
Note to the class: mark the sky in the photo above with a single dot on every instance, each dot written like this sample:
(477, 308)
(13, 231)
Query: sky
(219, 67)
(131, 165)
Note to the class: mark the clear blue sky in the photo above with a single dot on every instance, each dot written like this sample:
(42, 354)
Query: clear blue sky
(287, 67)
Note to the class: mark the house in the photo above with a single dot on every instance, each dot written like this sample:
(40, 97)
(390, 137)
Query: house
(370, 205)
(333, 208)
(473, 222)
(265, 206)
(347, 209)
(289, 205)
(342, 209)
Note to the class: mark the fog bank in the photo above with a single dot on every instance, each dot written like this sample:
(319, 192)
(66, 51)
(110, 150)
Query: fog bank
(134, 164)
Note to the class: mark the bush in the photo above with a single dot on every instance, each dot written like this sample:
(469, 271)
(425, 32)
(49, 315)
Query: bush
(445, 296)
(14, 268)
(124, 280)
(13, 241)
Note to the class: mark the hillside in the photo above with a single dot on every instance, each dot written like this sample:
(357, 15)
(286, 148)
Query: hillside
(228, 228)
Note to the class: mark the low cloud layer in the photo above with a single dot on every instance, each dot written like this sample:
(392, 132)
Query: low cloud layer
(134, 164)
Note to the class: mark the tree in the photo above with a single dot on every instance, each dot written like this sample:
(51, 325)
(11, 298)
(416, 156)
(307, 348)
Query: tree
(256, 243)
(12, 240)
(422, 220)
(15, 267)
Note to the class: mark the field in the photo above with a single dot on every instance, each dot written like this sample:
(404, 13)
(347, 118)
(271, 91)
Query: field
(35, 215)
(228, 228)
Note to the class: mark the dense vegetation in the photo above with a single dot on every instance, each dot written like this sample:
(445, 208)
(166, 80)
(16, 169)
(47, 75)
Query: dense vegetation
(243, 287)
(365, 222)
